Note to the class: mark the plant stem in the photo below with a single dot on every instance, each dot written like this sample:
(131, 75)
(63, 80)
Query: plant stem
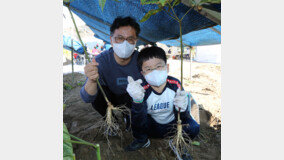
(181, 57)
(186, 13)
(169, 13)
(181, 45)
(81, 141)
(72, 59)
(174, 12)
(97, 146)
(102, 90)
(86, 55)
(98, 152)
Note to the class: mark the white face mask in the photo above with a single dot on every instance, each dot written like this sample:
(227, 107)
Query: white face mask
(157, 77)
(123, 50)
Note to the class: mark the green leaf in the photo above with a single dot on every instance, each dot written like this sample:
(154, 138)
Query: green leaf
(64, 106)
(67, 86)
(150, 13)
(67, 146)
(68, 1)
(102, 4)
(176, 2)
(196, 143)
(143, 2)
(163, 2)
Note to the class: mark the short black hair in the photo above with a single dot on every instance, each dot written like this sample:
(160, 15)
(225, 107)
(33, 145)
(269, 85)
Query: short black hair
(126, 21)
(148, 53)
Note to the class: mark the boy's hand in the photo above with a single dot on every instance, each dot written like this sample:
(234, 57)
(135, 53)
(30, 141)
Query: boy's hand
(135, 90)
(181, 100)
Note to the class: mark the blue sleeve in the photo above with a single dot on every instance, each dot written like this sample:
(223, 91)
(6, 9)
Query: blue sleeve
(85, 96)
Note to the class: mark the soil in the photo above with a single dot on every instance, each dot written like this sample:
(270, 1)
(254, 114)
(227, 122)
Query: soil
(80, 119)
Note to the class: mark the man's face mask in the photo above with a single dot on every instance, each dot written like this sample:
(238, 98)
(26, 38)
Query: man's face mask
(123, 50)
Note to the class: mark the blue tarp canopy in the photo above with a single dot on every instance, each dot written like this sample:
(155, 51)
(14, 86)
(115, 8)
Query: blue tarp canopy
(159, 27)
(67, 44)
(202, 37)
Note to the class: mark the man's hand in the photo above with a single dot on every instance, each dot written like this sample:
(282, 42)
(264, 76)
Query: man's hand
(91, 71)
(181, 100)
(135, 90)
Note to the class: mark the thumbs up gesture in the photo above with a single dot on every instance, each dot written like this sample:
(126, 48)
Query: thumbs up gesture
(135, 90)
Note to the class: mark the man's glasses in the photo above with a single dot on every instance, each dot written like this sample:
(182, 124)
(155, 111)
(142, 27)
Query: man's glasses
(120, 39)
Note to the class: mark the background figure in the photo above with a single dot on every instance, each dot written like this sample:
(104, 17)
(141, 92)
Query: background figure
(95, 51)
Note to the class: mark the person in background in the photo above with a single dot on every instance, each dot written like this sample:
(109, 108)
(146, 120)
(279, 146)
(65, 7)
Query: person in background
(104, 46)
(170, 51)
(95, 51)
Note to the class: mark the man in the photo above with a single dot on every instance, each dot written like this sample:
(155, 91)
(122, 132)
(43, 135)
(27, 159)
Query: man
(113, 66)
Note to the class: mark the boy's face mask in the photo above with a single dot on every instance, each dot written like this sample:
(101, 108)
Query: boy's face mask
(156, 77)
(123, 50)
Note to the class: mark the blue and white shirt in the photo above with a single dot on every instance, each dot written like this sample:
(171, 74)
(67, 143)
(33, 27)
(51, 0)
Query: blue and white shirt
(159, 105)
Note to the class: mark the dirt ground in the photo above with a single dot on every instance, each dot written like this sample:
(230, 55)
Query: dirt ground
(80, 119)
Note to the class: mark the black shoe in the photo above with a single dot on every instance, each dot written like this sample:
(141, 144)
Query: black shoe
(135, 145)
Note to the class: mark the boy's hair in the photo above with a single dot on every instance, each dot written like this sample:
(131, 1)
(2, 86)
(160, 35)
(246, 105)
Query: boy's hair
(150, 52)
(126, 21)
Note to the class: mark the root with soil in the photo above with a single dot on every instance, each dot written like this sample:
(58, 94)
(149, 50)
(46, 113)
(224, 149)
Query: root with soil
(180, 139)
(111, 123)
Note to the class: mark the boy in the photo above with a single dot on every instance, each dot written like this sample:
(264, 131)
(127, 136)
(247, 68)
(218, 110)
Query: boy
(155, 105)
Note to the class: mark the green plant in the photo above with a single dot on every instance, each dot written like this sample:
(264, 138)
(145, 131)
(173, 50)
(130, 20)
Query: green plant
(103, 2)
(80, 83)
(79, 141)
(168, 7)
(68, 153)
(67, 145)
(67, 86)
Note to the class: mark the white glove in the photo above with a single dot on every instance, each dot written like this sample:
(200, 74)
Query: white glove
(135, 90)
(181, 100)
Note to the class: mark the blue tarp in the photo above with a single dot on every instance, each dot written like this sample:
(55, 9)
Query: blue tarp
(198, 38)
(159, 27)
(77, 47)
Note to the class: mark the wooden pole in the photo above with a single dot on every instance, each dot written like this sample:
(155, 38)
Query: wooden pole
(181, 54)
(190, 63)
(72, 61)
